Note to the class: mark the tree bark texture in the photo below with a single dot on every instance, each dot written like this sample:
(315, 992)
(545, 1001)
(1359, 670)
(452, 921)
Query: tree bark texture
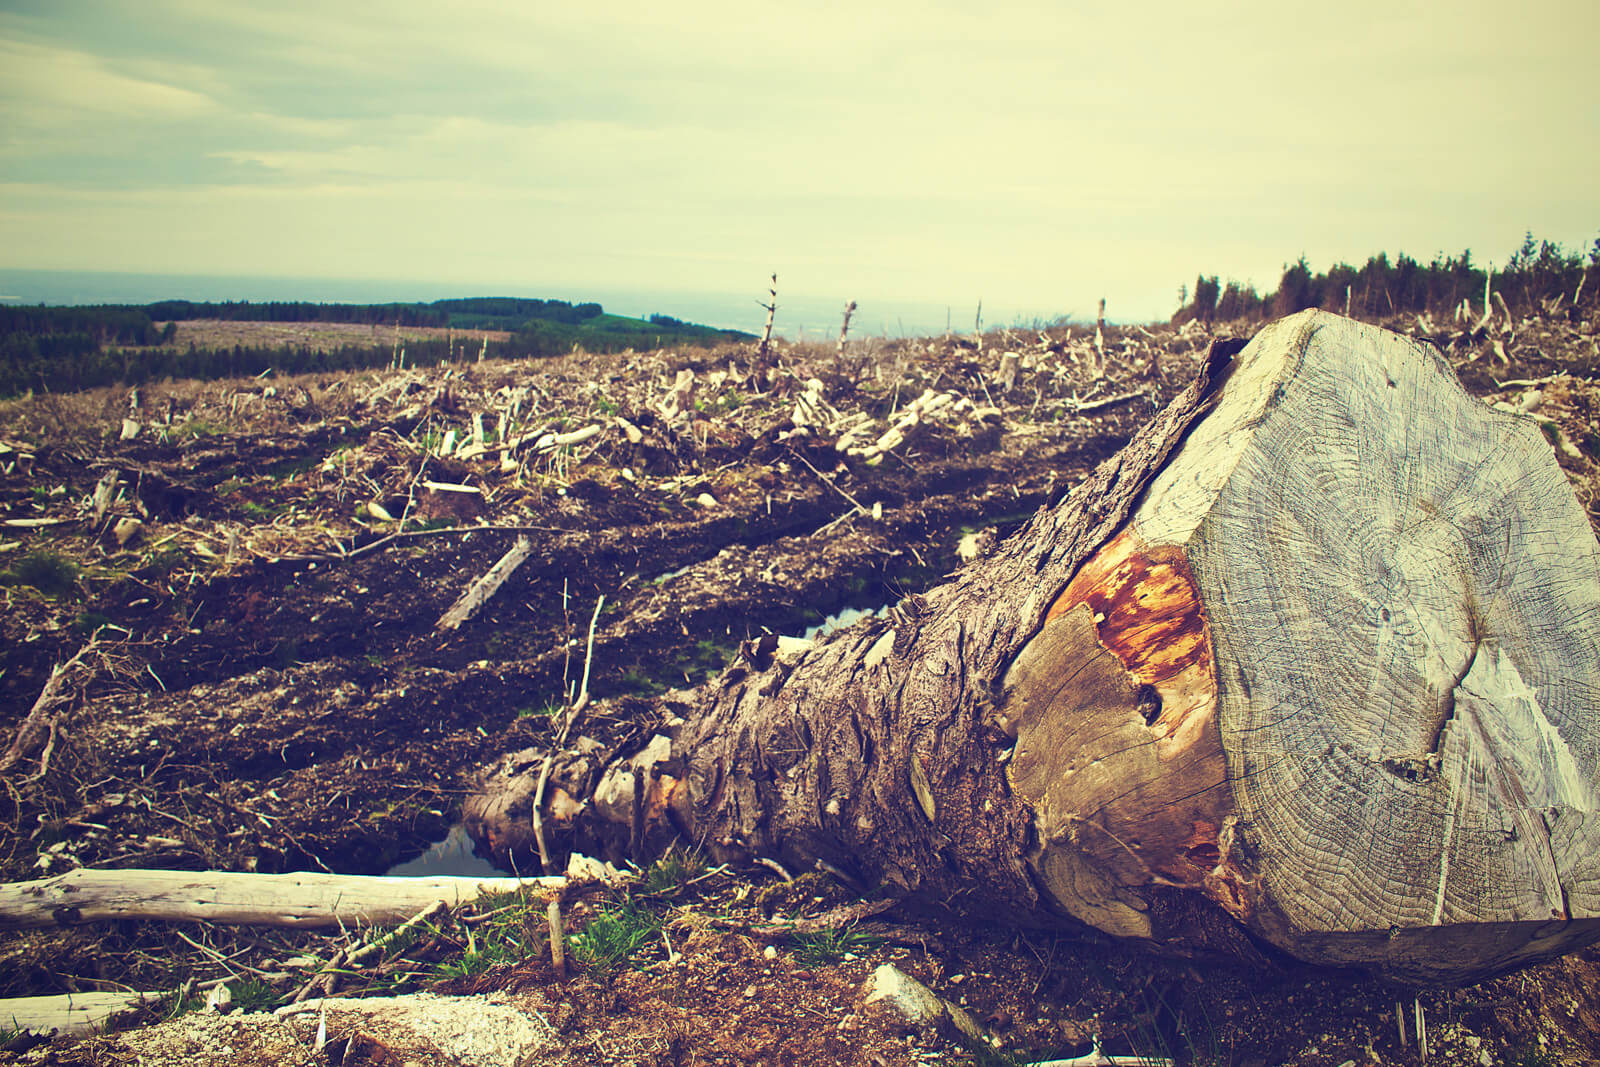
(1316, 657)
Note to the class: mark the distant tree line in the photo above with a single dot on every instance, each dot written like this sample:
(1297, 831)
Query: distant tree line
(62, 349)
(111, 324)
(473, 313)
(1539, 275)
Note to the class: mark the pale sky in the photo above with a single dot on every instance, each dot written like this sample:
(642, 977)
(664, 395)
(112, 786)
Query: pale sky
(1034, 156)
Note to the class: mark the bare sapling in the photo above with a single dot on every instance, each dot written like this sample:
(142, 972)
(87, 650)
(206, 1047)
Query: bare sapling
(772, 310)
(844, 330)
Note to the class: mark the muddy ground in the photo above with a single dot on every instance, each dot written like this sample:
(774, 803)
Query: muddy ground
(255, 571)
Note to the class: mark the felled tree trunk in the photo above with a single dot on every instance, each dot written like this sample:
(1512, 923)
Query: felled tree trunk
(1317, 655)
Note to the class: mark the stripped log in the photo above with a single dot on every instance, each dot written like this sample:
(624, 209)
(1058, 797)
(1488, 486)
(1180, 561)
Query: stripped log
(304, 900)
(68, 1014)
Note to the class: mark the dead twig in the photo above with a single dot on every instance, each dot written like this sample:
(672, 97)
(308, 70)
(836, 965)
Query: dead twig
(538, 819)
(830, 483)
(588, 662)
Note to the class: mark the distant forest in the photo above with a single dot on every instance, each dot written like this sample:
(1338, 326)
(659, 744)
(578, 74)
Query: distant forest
(62, 349)
(1538, 277)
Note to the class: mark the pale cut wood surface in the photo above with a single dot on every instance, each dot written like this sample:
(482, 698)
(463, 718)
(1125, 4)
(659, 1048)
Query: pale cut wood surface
(1404, 598)
(298, 900)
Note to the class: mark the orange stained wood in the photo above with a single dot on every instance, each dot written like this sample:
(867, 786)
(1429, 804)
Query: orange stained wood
(1147, 613)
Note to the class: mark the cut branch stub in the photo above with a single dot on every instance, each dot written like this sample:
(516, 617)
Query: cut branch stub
(1339, 673)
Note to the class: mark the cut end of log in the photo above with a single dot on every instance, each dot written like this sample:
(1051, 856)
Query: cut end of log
(1338, 673)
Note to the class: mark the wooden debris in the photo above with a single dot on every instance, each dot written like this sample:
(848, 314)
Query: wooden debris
(1085, 407)
(552, 441)
(68, 1014)
(303, 900)
(485, 587)
(772, 310)
(104, 491)
(125, 530)
(35, 524)
(41, 719)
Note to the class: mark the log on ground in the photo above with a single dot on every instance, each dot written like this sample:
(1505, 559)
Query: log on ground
(306, 900)
(1317, 657)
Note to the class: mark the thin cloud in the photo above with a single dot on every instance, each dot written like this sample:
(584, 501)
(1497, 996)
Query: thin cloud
(42, 85)
(1033, 152)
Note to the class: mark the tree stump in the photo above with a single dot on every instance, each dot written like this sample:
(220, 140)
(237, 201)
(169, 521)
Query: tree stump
(1317, 654)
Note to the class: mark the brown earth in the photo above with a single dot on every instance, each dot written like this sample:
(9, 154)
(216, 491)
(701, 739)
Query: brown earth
(267, 688)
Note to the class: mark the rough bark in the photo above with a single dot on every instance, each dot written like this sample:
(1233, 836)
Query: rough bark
(810, 753)
(1321, 664)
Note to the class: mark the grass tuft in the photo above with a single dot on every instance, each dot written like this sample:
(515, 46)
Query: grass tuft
(829, 946)
(48, 572)
(613, 936)
(675, 867)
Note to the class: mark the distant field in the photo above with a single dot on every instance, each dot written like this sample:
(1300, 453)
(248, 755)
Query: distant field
(324, 336)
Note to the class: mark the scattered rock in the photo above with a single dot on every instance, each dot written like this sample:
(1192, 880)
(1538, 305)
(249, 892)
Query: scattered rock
(901, 1001)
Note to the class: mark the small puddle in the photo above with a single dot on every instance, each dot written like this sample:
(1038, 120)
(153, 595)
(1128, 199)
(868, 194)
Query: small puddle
(452, 856)
(666, 576)
(844, 617)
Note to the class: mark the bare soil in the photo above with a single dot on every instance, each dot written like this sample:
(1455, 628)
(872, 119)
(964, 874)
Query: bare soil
(267, 688)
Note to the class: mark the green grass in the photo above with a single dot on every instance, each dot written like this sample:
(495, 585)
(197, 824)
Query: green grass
(514, 930)
(88, 622)
(50, 573)
(171, 1005)
(1190, 1034)
(1530, 1056)
(641, 684)
(830, 946)
(471, 963)
(613, 936)
(547, 711)
(677, 866)
(263, 511)
(254, 995)
(1591, 444)
(203, 428)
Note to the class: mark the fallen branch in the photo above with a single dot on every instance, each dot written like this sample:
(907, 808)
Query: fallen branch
(588, 662)
(1096, 1058)
(39, 723)
(485, 587)
(845, 915)
(303, 900)
(34, 524)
